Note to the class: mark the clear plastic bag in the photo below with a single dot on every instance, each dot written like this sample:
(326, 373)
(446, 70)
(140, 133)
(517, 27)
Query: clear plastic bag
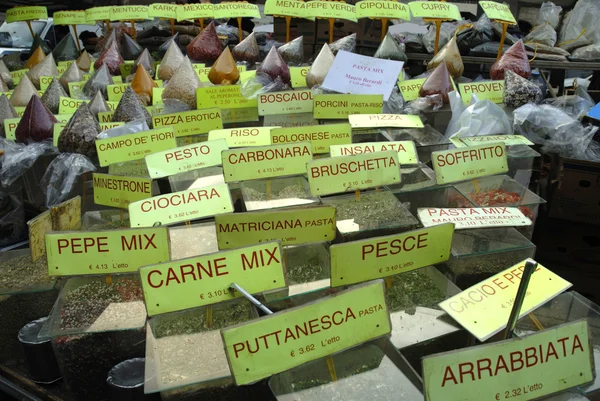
(19, 157)
(320, 67)
(582, 21)
(424, 104)
(99, 80)
(413, 42)
(549, 14)
(66, 49)
(171, 62)
(183, 84)
(293, 51)
(111, 58)
(481, 32)
(72, 74)
(6, 111)
(515, 59)
(390, 50)
(438, 83)
(262, 83)
(247, 50)
(519, 91)
(481, 117)
(347, 43)
(587, 53)
(543, 34)
(446, 32)
(98, 104)
(275, 67)
(47, 68)
(130, 127)
(61, 176)
(5, 74)
(451, 55)
(577, 105)
(395, 103)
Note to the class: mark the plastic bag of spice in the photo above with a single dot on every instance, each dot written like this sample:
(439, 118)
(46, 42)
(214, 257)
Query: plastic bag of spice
(320, 67)
(98, 104)
(390, 50)
(142, 84)
(13, 61)
(549, 14)
(36, 57)
(347, 43)
(6, 111)
(19, 157)
(130, 127)
(543, 34)
(12, 216)
(587, 53)
(146, 61)
(99, 80)
(489, 49)
(247, 50)
(66, 49)
(446, 32)
(206, 47)
(274, 66)
(293, 51)
(162, 50)
(577, 105)
(482, 117)
(72, 74)
(84, 61)
(451, 55)
(183, 84)
(47, 68)
(79, 135)
(131, 108)
(171, 62)
(224, 71)
(515, 59)
(23, 92)
(3, 85)
(437, 83)
(111, 58)
(61, 176)
(130, 50)
(39, 42)
(424, 104)
(262, 83)
(51, 97)
(519, 91)
(5, 74)
(480, 32)
(37, 123)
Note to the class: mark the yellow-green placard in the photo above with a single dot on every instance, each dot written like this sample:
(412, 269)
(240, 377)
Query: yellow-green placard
(410, 88)
(10, 126)
(56, 130)
(239, 115)
(279, 342)
(26, 14)
(157, 95)
(205, 280)
(181, 206)
(202, 72)
(341, 106)
(128, 13)
(134, 146)
(292, 8)
(20, 111)
(225, 97)
(300, 101)
(191, 122)
(69, 18)
(485, 90)
(105, 252)
(163, 10)
(120, 191)
(75, 88)
(519, 369)
(507, 140)
(299, 226)
(385, 120)
(246, 75)
(185, 158)
(195, 11)
(115, 92)
(16, 75)
(333, 175)
(382, 9)
(105, 116)
(241, 137)
(434, 9)
(320, 136)
(407, 151)
(467, 163)
(364, 260)
(126, 68)
(497, 11)
(97, 14)
(134, 168)
(298, 74)
(69, 105)
(330, 9)
(235, 9)
(107, 126)
(484, 308)
(266, 162)
(45, 82)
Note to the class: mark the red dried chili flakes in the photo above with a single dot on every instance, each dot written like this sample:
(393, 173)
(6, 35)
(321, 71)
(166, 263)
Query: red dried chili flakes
(495, 197)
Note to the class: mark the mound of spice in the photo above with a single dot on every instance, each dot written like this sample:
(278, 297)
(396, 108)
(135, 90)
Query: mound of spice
(130, 49)
(146, 61)
(51, 97)
(37, 123)
(320, 67)
(274, 66)
(224, 71)
(438, 83)
(182, 85)
(131, 108)
(500, 197)
(5, 74)
(72, 74)
(293, 52)
(170, 62)
(84, 61)
(247, 50)
(23, 92)
(99, 80)
(47, 67)
(66, 49)
(36, 57)
(79, 135)
(206, 47)
(22, 273)
(412, 289)
(389, 50)
(347, 43)
(6, 111)
(111, 58)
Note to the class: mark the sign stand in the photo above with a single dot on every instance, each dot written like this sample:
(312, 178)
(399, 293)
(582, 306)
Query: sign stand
(530, 267)
(71, 18)
(500, 13)
(442, 12)
(35, 13)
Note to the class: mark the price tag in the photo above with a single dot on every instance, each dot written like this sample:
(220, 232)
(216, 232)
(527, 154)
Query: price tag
(266, 162)
(385, 120)
(298, 335)
(205, 280)
(322, 137)
(407, 152)
(518, 369)
(134, 146)
(241, 137)
(134, 168)
(195, 11)
(484, 308)
(290, 120)
(285, 102)
(292, 8)
(97, 14)
(69, 105)
(497, 11)
(298, 226)
(191, 122)
(467, 163)
(382, 9)
(45, 82)
(298, 74)
(181, 206)
(128, 13)
(364, 260)
(331, 9)
(224, 97)
(341, 106)
(485, 90)
(105, 252)
(246, 114)
(69, 18)
(235, 9)
(507, 140)
(434, 9)
(185, 158)
(10, 126)
(162, 10)
(474, 217)
(350, 173)
(115, 92)
(120, 191)
(26, 14)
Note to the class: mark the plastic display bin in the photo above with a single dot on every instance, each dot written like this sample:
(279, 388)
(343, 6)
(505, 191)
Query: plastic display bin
(284, 192)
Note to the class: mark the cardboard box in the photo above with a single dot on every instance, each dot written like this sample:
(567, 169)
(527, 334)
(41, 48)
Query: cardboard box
(577, 197)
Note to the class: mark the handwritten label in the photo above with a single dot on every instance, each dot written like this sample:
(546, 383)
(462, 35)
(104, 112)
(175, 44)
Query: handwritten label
(385, 120)
(191, 122)
(350, 173)
(285, 102)
(279, 342)
(466, 163)
(134, 146)
(162, 10)
(181, 206)
(382, 9)
(185, 158)
(298, 226)
(69, 18)
(298, 74)
(364, 260)
(434, 9)
(484, 308)
(341, 106)
(226, 97)
(26, 14)
(485, 90)
(241, 137)
(97, 14)
(128, 13)
(292, 8)
(105, 252)
(407, 151)
(266, 162)
(119, 191)
(497, 11)
(195, 11)
(518, 369)
(326, 9)
(205, 280)
(507, 140)
(321, 137)
(474, 217)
